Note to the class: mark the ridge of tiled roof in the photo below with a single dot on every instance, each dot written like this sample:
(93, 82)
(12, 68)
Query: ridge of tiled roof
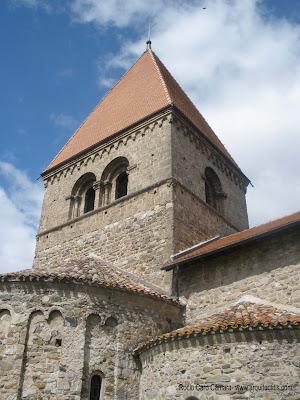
(89, 271)
(244, 315)
(235, 239)
(180, 99)
(145, 89)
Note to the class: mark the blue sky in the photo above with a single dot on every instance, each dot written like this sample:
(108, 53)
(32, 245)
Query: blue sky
(49, 72)
(50, 68)
(238, 60)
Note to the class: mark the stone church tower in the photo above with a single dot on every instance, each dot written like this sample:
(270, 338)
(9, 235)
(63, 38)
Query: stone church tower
(142, 178)
(147, 283)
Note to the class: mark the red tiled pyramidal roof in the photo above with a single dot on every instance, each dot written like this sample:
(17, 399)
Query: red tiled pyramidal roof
(146, 88)
(235, 239)
(244, 315)
(89, 271)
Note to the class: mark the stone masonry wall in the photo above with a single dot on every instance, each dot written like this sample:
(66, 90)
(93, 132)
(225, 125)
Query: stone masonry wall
(268, 269)
(194, 220)
(148, 151)
(190, 157)
(157, 218)
(54, 337)
(244, 365)
(134, 234)
(164, 211)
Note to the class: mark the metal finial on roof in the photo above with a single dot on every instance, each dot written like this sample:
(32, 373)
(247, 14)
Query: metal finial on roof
(148, 43)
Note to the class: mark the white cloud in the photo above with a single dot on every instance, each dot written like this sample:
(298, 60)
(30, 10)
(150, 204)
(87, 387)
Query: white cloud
(62, 120)
(115, 12)
(20, 206)
(241, 67)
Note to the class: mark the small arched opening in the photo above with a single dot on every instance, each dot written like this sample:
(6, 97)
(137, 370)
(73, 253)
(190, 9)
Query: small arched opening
(214, 194)
(89, 200)
(121, 185)
(5, 322)
(95, 388)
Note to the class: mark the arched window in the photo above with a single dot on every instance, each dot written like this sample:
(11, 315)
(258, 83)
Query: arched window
(95, 390)
(121, 185)
(89, 200)
(210, 196)
(214, 195)
(82, 199)
(5, 321)
(114, 180)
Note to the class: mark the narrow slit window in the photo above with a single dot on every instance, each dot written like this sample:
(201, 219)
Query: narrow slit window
(121, 185)
(210, 195)
(214, 195)
(95, 391)
(89, 201)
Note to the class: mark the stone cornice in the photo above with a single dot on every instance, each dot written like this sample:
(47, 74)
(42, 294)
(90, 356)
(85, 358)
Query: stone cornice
(214, 155)
(238, 334)
(169, 181)
(170, 115)
(100, 209)
(107, 146)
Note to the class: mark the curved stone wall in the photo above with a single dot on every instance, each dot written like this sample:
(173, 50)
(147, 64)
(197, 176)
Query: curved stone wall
(256, 365)
(54, 337)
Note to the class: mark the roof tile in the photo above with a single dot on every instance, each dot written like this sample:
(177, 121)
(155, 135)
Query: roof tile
(244, 315)
(89, 271)
(146, 88)
(235, 238)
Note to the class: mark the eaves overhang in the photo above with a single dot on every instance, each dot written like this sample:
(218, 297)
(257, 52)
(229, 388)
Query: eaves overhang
(188, 261)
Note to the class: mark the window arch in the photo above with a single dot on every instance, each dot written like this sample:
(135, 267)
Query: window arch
(5, 321)
(82, 199)
(214, 194)
(95, 388)
(114, 180)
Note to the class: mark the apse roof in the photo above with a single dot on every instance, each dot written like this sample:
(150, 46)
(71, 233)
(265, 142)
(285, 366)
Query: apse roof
(145, 89)
(245, 315)
(89, 271)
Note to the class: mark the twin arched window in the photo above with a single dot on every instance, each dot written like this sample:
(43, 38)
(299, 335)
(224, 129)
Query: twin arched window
(87, 194)
(214, 194)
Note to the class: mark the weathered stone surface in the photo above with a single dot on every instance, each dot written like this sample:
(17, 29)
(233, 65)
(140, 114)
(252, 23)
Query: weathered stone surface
(55, 336)
(52, 357)
(165, 209)
(268, 269)
(248, 378)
